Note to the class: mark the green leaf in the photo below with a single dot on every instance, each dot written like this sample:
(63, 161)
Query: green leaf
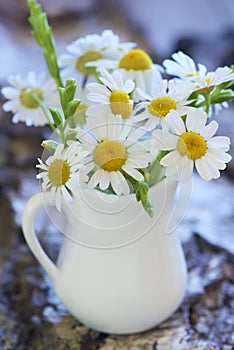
(156, 170)
(50, 145)
(71, 135)
(142, 195)
(42, 32)
(56, 115)
(72, 107)
(222, 96)
(68, 103)
(70, 88)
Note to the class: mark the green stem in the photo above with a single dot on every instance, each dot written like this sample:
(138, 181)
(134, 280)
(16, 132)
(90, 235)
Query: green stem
(207, 101)
(44, 111)
(42, 32)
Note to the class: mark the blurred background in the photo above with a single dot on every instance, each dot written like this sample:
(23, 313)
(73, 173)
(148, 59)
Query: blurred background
(204, 29)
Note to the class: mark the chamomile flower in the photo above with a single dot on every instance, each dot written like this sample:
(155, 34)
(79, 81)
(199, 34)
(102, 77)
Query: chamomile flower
(25, 95)
(184, 67)
(167, 97)
(63, 173)
(137, 65)
(192, 143)
(116, 153)
(113, 96)
(90, 48)
(212, 79)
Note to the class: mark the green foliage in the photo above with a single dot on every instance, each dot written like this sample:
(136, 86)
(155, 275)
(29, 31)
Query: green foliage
(43, 34)
(71, 135)
(142, 195)
(156, 172)
(50, 145)
(57, 118)
(219, 96)
(68, 103)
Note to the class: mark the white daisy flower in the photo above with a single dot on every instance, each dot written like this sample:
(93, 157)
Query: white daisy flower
(23, 96)
(116, 153)
(137, 65)
(167, 97)
(90, 48)
(184, 67)
(113, 96)
(192, 143)
(212, 79)
(63, 173)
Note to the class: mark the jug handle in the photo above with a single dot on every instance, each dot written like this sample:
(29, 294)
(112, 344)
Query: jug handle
(34, 204)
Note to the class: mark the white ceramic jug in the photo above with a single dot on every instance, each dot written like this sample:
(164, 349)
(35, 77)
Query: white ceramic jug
(119, 270)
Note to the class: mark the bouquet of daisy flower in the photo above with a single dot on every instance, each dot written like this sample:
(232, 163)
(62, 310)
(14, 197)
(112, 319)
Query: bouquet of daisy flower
(119, 126)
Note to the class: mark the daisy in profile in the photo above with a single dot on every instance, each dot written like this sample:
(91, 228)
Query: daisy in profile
(26, 95)
(184, 67)
(112, 96)
(167, 96)
(192, 143)
(212, 79)
(63, 173)
(116, 154)
(89, 49)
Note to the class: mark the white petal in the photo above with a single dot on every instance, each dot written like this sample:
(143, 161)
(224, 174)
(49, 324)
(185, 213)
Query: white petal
(93, 112)
(119, 183)
(222, 142)
(96, 177)
(136, 163)
(133, 172)
(186, 169)
(209, 130)
(196, 120)
(129, 86)
(171, 171)
(10, 106)
(163, 140)
(105, 180)
(219, 155)
(171, 158)
(203, 169)
(152, 122)
(176, 123)
(10, 92)
(214, 162)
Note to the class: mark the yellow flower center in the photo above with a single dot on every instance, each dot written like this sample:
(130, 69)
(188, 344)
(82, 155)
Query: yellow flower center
(192, 145)
(110, 155)
(161, 106)
(59, 172)
(196, 74)
(28, 97)
(136, 59)
(91, 55)
(120, 103)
